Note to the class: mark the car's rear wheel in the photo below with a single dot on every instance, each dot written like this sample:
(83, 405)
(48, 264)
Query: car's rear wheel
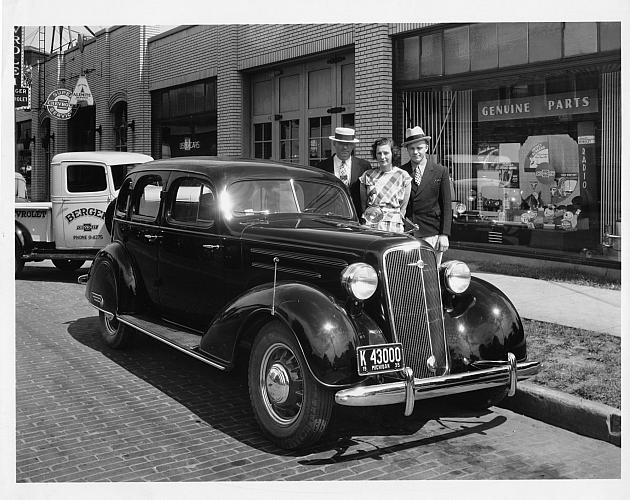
(19, 261)
(292, 409)
(68, 264)
(114, 333)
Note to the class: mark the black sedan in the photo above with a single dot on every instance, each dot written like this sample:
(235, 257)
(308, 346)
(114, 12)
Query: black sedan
(265, 264)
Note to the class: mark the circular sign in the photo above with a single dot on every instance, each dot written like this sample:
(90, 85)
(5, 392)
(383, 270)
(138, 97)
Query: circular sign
(58, 104)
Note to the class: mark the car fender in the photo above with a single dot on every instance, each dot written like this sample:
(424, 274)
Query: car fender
(327, 334)
(482, 324)
(24, 237)
(112, 285)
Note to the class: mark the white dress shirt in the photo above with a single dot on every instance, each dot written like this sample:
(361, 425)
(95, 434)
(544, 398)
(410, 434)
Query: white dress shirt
(337, 162)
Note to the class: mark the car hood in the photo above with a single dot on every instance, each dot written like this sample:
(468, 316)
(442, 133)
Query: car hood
(320, 232)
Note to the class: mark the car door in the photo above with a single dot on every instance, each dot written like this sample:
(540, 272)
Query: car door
(191, 253)
(142, 233)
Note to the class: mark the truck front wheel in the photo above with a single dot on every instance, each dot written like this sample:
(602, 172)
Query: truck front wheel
(19, 261)
(68, 264)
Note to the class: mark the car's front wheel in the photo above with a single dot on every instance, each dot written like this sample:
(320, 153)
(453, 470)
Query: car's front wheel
(292, 409)
(68, 264)
(115, 334)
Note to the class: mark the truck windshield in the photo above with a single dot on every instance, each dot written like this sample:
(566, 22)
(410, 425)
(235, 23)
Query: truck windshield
(253, 197)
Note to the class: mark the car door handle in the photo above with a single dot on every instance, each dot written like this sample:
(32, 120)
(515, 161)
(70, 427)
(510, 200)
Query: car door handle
(152, 237)
(212, 247)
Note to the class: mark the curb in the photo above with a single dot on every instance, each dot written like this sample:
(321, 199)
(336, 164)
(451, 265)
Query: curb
(575, 414)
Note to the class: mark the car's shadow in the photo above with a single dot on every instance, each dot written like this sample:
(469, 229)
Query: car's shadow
(34, 272)
(221, 400)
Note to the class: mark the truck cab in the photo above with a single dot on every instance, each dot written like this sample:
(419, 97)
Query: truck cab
(70, 228)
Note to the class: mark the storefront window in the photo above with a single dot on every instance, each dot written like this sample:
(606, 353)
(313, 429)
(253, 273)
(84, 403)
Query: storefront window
(580, 38)
(185, 120)
(525, 159)
(545, 41)
(456, 50)
(609, 36)
(431, 59)
(512, 43)
(484, 51)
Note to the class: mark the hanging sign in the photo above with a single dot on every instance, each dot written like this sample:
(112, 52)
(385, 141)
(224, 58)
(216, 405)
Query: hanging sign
(18, 55)
(82, 93)
(58, 104)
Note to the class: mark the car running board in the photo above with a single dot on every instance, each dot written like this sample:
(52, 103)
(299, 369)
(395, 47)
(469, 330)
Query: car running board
(182, 340)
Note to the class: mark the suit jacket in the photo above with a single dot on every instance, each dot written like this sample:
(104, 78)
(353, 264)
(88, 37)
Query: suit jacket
(430, 203)
(358, 167)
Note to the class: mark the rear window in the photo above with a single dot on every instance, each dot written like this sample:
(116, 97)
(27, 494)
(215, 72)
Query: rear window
(86, 178)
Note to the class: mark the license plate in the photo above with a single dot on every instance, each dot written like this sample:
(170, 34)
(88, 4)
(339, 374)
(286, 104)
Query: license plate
(381, 358)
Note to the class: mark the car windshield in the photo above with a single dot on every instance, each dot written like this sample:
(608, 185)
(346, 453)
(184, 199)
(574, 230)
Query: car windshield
(271, 196)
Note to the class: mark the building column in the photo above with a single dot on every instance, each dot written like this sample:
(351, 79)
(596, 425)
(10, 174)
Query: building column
(373, 84)
(229, 94)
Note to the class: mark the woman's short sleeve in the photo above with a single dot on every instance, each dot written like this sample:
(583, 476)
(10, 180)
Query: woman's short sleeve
(406, 178)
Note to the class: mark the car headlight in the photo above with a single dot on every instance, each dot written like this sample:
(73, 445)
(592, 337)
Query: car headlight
(456, 276)
(360, 280)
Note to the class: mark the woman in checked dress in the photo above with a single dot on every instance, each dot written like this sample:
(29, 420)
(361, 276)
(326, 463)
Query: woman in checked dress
(386, 187)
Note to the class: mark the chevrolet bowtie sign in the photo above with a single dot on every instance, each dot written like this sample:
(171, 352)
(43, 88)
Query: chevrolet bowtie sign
(82, 93)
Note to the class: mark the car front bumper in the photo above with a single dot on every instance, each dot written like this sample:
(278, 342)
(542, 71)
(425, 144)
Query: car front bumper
(409, 390)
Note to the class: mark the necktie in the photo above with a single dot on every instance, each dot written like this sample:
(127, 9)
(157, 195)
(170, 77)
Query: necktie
(343, 172)
(418, 175)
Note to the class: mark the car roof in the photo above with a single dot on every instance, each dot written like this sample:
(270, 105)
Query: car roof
(108, 157)
(230, 168)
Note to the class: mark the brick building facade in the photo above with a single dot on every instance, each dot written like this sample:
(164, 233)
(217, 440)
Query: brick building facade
(278, 91)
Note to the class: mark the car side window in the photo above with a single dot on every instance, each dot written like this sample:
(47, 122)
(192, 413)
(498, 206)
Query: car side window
(192, 202)
(124, 196)
(146, 198)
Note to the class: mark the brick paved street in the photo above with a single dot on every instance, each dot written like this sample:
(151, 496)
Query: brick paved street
(89, 413)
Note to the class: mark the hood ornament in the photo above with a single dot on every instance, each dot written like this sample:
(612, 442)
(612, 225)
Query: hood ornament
(419, 264)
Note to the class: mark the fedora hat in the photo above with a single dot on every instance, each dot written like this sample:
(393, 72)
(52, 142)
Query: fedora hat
(344, 135)
(415, 134)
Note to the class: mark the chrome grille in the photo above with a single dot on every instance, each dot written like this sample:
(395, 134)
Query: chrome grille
(415, 307)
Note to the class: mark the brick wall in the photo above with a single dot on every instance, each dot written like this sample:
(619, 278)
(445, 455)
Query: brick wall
(229, 94)
(373, 84)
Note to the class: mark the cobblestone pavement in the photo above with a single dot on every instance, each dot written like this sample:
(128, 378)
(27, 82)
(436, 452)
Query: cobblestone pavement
(88, 413)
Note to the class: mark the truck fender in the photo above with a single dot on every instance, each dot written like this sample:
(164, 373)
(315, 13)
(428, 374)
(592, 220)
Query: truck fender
(327, 334)
(482, 324)
(24, 237)
(112, 285)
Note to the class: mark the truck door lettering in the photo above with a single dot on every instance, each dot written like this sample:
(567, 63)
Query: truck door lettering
(82, 212)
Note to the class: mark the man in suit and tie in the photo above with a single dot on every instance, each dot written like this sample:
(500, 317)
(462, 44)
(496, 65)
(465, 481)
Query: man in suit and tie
(430, 201)
(344, 165)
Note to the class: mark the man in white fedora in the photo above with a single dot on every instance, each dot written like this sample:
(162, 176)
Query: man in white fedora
(430, 201)
(344, 165)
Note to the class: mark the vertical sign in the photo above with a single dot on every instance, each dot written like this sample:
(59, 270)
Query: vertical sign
(18, 55)
(587, 175)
